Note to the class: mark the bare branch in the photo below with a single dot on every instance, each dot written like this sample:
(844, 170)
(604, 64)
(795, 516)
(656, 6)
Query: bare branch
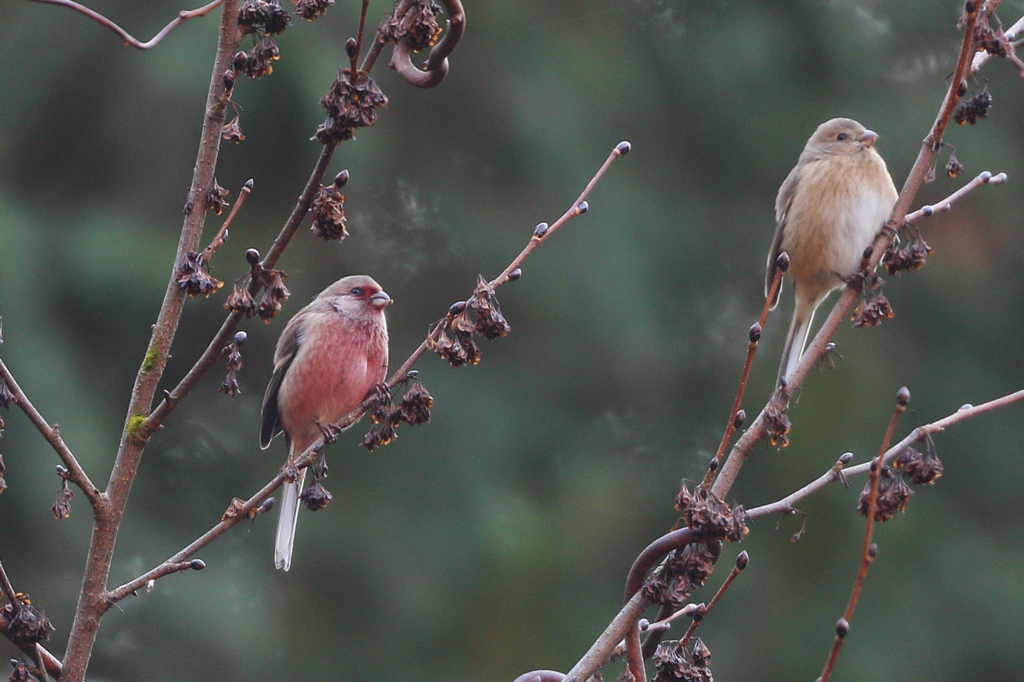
(183, 16)
(920, 433)
(174, 564)
(76, 474)
(869, 550)
(755, 337)
(983, 178)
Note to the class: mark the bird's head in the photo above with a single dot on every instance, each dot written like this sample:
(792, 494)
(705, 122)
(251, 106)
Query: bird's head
(358, 294)
(840, 136)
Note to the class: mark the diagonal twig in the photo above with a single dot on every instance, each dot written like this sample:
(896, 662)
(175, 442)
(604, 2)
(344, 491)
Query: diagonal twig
(76, 473)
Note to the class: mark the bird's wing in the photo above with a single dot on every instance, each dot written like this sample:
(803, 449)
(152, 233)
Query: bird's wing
(287, 347)
(782, 204)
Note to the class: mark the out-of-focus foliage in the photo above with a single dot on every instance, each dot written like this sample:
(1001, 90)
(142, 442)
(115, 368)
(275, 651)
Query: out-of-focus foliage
(496, 539)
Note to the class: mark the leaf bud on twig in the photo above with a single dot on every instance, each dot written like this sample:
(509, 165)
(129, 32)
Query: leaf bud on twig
(737, 421)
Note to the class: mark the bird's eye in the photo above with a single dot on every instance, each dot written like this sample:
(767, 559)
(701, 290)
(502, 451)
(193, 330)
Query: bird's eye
(841, 136)
(356, 291)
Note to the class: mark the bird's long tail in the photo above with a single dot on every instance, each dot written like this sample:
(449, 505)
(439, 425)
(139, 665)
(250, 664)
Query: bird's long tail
(286, 522)
(796, 340)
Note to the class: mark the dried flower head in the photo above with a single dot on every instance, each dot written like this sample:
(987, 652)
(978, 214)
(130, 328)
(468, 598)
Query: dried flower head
(489, 321)
(777, 420)
(415, 406)
(328, 211)
(193, 277)
(989, 40)
(417, 28)
(234, 509)
(677, 663)
(29, 625)
(911, 255)
(232, 132)
(21, 672)
(266, 16)
(350, 104)
(954, 167)
(241, 301)
(256, 63)
(921, 468)
(311, 10)
(893, 495)
(872, 313)
(62, 507)
(975, 107)
(5, 395)
(703, 511)
(275, 293)
(217, 199)
(316, 496)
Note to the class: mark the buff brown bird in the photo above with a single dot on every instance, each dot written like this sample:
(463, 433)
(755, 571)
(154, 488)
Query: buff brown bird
(328, 358)
(829, 209)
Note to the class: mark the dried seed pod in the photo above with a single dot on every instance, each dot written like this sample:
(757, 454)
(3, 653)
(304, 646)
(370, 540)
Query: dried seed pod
(872, 313)
(232, 132)
(350, 104)
(415, 406)
(194, 278)
(417, 28)
(893, 495)
(328, 211)
(316, 496)
(310, 10)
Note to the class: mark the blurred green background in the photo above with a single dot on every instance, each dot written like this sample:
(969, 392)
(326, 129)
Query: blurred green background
(496, 539)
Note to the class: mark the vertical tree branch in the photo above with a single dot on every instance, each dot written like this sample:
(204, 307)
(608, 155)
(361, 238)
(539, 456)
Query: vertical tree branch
(107, 517)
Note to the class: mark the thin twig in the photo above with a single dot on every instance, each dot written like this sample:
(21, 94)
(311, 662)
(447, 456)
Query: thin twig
(634, 657)
(241, 513)
(221, 235)
(183, 16)
(741, 562)
(9, 592)
(755, 337)
(983, 56)
(76, 473)
(983, 178)
(918, 434)
(728, 472)
(868, 551)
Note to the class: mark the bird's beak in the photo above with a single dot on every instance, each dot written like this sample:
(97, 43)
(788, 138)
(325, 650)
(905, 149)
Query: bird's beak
(380, 299)
(868, 137)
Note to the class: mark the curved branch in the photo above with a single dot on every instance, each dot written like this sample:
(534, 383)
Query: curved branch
(436, 66)
(183, 16)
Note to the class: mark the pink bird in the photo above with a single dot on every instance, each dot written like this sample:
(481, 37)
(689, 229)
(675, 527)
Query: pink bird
(328, 358)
